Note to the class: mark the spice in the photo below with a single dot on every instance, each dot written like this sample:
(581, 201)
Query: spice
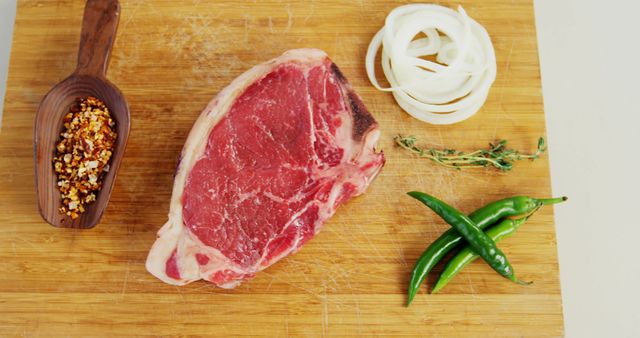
(497, 155)
(465, 256)
(450, 239)
(490, 214)
(482, 244)
(83, 154)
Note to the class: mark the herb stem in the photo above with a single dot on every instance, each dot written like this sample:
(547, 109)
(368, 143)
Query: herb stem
(497, 155)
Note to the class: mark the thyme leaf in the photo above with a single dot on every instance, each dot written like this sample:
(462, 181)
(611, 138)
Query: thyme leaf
(497, 155)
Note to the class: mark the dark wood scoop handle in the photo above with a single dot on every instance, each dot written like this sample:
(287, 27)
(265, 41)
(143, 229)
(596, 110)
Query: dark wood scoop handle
(99, 26)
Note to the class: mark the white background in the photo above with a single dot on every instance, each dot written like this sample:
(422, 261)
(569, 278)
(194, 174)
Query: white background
(590, 61)
(7, 16)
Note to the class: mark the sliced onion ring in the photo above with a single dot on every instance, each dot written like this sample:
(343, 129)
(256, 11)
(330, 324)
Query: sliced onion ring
(443, 92)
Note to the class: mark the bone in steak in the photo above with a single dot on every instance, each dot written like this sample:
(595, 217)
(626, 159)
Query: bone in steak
(265, 165)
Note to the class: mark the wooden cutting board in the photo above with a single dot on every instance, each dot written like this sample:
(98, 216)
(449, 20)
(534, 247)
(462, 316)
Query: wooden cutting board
(170, 58)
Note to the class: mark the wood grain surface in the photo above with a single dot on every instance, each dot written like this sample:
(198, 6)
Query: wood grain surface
(170, 58)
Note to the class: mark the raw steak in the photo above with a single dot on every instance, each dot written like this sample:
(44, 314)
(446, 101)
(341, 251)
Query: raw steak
(266, 164)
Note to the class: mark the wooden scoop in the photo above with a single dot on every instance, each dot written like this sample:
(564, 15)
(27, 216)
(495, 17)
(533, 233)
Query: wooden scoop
(99, 27)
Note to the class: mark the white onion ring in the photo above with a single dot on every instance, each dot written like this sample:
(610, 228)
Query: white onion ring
(443, 92)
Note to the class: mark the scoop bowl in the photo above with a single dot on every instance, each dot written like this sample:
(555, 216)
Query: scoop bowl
(99, 28)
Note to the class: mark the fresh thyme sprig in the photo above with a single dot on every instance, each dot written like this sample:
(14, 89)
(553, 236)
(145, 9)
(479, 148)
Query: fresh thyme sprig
(498, 155)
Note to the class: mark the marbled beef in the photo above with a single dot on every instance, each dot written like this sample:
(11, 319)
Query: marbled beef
(268, 161)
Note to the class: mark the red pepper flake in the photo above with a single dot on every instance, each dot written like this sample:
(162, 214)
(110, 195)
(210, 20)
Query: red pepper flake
(83, 153)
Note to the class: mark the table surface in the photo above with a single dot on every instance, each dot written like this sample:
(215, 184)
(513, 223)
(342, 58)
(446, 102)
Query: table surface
(590, 84)
(586, 295)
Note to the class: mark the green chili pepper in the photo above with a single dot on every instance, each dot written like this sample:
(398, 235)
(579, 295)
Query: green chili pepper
(496, 232)
(477, 239)
(483, 217)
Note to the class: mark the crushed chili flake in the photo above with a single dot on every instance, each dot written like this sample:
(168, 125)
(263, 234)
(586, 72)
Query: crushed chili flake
(83, 153)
